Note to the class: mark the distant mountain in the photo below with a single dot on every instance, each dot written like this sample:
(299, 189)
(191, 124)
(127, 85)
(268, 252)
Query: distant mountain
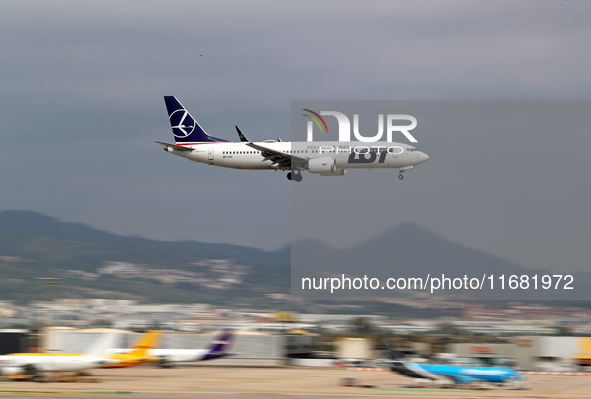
(39, 225)
(404, 251)
(34, 245)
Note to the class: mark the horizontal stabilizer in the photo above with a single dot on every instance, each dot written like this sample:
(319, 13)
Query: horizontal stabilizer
(174, 146)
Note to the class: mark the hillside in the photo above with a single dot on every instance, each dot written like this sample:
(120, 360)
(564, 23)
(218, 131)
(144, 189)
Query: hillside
(94, 263)
(91, 262)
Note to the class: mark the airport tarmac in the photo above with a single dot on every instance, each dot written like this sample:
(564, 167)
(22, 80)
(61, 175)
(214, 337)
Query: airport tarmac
(284, 382)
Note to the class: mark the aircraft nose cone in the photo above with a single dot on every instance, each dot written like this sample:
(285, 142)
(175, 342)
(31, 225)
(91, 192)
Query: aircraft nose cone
(423, 157)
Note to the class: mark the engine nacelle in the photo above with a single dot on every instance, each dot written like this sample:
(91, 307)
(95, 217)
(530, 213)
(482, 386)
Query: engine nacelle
(13, 372)
(464, 380)
(326, 166)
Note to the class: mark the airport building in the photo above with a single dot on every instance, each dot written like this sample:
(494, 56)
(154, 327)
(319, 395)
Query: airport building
(12, 341)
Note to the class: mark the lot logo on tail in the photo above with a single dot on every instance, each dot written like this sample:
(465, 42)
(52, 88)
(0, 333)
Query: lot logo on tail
(182, 123)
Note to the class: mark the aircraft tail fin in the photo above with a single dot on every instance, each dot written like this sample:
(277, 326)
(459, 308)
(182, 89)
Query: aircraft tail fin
(185, 128)
(101, 346)
(218, 346)
(149, 340)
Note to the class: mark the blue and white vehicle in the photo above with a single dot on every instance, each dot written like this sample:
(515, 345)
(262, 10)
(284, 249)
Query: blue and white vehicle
(327, 158)
(451, 375)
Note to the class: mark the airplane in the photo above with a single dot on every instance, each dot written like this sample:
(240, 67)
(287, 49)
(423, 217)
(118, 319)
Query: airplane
(16, 365)
(137, 354)
(326, 158)
(449, 375)
(217, 349)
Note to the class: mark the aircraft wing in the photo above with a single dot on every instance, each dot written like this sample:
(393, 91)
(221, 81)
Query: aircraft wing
(176, 147)
(279, 158)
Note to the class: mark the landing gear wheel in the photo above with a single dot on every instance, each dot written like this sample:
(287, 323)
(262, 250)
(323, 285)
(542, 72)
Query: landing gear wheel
(295, 175)
(400, 176)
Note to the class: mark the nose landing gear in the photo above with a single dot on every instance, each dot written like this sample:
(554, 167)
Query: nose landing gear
(400, 175)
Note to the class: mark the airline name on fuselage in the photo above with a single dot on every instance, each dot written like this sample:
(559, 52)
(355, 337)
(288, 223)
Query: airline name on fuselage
(363, 154)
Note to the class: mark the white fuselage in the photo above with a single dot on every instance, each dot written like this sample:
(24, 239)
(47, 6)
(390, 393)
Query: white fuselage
(18, 364)
(348, 155)
(179, 355)
(173, 355)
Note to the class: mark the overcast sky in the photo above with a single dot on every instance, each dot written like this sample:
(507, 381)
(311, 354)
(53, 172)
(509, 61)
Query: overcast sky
(81, 104)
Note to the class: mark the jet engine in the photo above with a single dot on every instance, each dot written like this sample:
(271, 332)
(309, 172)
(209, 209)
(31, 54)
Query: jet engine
(325, 166)
(10, 371)
(464, 380)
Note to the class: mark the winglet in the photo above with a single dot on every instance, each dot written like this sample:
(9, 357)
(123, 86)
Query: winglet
(241, 135)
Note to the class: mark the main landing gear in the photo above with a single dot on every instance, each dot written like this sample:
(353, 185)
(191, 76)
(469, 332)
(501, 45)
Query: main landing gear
(294, 175)
(400, 175)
